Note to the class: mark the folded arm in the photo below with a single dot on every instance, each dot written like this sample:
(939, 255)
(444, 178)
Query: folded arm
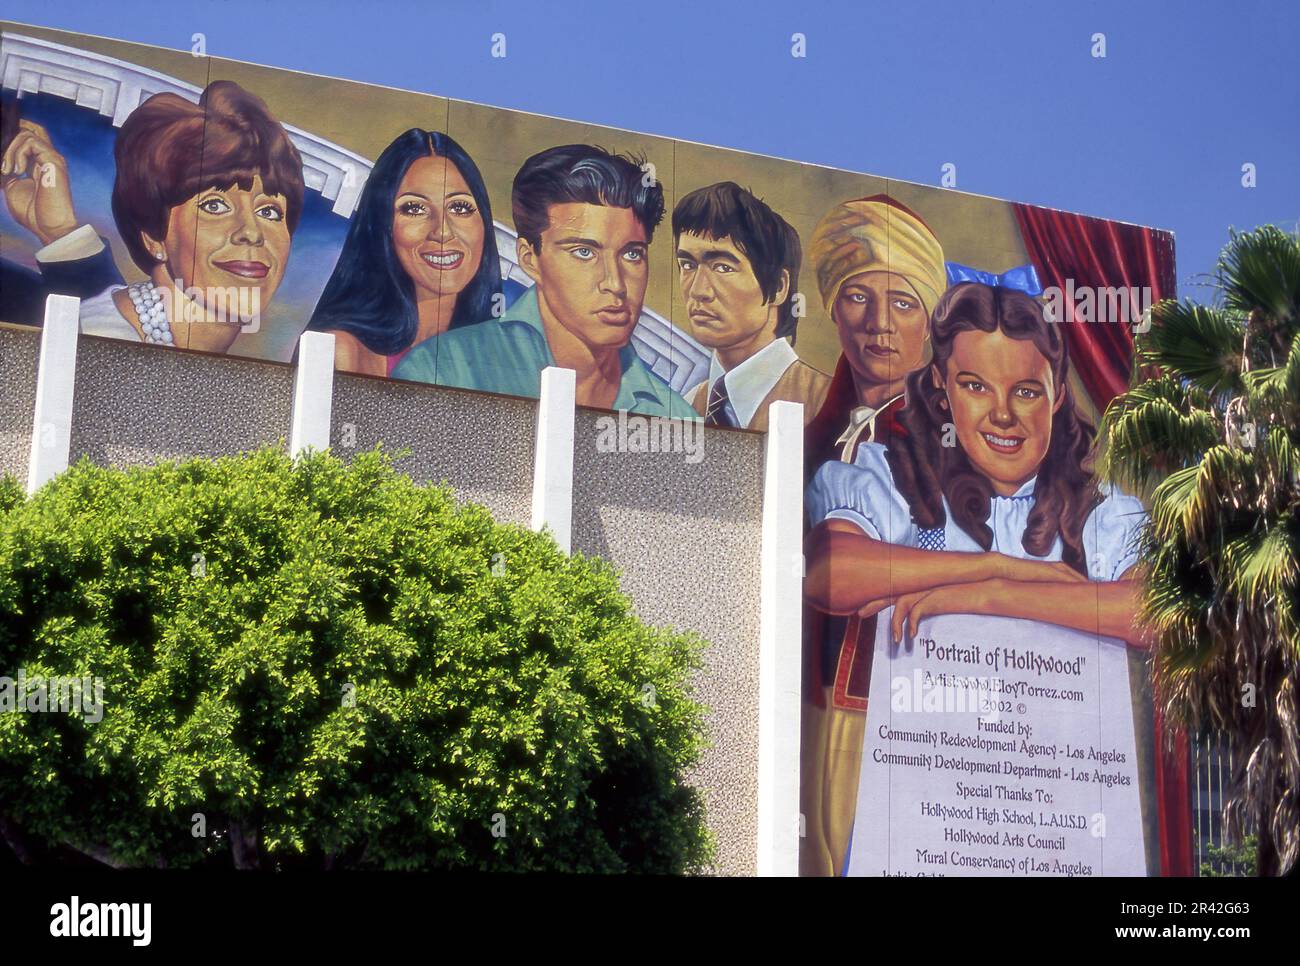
(1105, 608)
(848, 570)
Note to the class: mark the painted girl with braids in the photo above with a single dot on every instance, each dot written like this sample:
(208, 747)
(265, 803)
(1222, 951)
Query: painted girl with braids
(986, 504)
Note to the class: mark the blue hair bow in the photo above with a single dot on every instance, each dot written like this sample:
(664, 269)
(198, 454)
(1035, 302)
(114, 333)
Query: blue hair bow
(1024, 278)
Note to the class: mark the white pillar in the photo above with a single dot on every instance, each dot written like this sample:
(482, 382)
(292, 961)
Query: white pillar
(553, 460)
(52, 420)
(780, 645)
(313, 393)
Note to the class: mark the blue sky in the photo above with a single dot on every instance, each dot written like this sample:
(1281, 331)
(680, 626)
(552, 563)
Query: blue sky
(1154, 133)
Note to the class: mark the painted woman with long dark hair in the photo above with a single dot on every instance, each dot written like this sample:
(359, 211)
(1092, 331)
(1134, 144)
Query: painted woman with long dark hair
(987, 504)
(420, 255)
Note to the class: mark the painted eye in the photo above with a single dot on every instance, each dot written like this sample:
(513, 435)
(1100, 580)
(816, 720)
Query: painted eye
(973, 386)
(270, 213)
(1024, 392)
(858, 298)
(722, 268)
(461, 208)
(686, 265)
(634, 255)
(904, 305)
(586, 254)
(214, 206)
(413, 208)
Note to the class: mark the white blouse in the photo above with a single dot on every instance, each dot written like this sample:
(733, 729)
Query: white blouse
(863, 493)
(100, 316)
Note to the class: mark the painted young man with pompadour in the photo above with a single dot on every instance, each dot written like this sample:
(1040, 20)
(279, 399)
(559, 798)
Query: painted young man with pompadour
(738, 264)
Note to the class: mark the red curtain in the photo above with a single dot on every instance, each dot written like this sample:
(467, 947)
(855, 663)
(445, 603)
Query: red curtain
(1072, 252)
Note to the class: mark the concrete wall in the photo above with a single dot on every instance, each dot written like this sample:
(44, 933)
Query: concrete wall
(481, 444)
(134, 405)
(20, 351)
(687, 538)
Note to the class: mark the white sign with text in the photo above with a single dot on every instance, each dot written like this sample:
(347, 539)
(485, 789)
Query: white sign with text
(998, 746)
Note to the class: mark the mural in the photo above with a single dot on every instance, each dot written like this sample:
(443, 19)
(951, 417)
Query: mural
(952, 355)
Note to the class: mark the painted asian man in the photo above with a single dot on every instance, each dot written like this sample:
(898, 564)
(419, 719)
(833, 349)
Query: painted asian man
(585, 219)
(738, 263)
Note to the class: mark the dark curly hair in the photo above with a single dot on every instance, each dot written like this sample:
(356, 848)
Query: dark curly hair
(1065, 490)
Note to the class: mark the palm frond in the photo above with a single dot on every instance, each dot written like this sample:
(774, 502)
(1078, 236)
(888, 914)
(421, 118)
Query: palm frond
(1179, 393)
(1148, 440)
(1260, 567)
(1222, 486)
(1260, 270)
(1198, 343)
(1279, 467)
(1174, 501)
(1275, 387)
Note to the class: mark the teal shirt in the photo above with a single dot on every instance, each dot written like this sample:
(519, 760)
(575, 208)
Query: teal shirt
(507, 355)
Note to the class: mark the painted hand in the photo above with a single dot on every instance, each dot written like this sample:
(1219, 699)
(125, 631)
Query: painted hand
(36, 186)
(873, 607)
(911, 609)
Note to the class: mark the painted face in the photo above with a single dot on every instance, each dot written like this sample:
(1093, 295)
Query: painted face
(592, 270)
(883, 326)
(229, 247)
(1002, 397)
(721, 292)
(438, 230)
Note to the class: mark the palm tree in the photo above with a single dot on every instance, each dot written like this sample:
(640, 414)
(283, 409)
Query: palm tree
(1209, 434)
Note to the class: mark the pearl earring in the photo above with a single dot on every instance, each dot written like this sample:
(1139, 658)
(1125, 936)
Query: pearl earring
(161, 256)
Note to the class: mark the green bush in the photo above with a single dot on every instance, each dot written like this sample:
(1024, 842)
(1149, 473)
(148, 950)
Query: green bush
(334, 668)
(11, 493)
(1231, 860)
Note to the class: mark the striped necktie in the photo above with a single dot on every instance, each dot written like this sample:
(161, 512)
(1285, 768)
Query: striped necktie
(719, 409)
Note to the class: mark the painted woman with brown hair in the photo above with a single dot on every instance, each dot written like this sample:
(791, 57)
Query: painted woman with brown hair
(206, 198)
(986, 504)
